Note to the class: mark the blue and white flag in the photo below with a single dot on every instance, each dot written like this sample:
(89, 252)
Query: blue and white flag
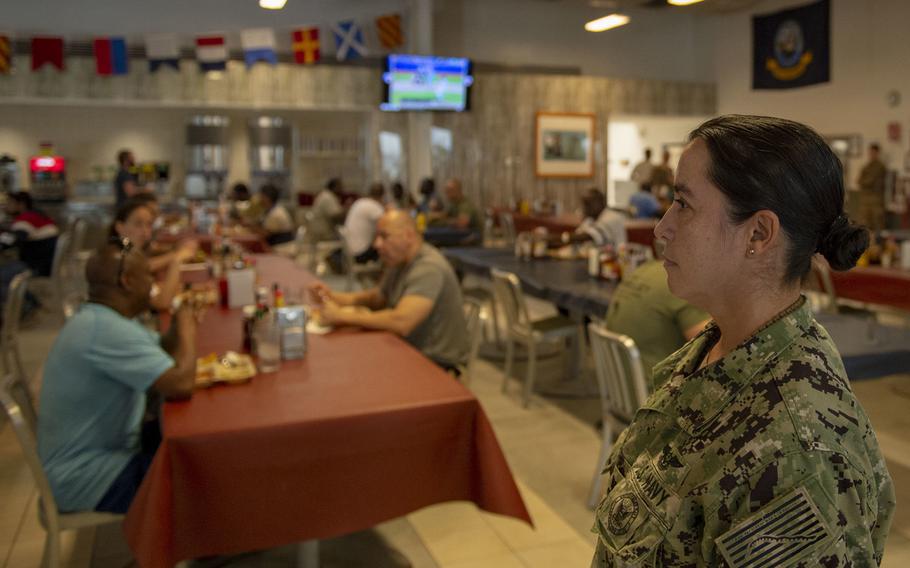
(162, 50)
(211, 53)
(348, 40)
(258, 45)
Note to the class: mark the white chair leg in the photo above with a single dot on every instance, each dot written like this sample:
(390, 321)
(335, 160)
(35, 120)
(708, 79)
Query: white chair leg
(507, 370)
(532, 371)
(495, 322)
(51, 557)
(308, 554)
(606, 444)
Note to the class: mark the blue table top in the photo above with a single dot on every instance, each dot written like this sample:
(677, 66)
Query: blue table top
(565, 283)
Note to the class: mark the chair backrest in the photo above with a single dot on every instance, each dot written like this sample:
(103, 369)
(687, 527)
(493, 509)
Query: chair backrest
(508, 294)
(78, 230)
(12, 313)
(508, 227)
(472, 308)
(620, 375)
(12, 310)
(60, 253)
(821, 274)
(19, 410)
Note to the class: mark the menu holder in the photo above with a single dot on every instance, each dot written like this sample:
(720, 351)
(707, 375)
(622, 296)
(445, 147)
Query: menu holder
(292, 321)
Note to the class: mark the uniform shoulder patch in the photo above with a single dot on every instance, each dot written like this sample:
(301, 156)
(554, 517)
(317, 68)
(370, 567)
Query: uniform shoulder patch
(780, 534)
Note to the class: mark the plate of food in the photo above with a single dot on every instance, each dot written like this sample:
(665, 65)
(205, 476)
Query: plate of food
(230, 368)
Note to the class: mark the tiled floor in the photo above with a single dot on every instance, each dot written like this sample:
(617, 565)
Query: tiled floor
(551, 448)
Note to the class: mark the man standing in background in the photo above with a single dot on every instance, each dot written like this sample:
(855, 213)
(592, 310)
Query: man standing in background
(643, 171)
(872, 191)
(125, 184)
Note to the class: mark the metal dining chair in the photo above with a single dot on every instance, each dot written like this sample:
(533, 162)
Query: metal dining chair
(623, 389)
(474, 317)
(507, 223)
(9, 333)
(19, 410)
(55, 282)
(520, 328)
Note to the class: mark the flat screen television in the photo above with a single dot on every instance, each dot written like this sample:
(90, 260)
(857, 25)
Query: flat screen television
(422, 82)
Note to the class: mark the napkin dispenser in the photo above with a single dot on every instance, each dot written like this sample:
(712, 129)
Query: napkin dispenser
(292, 325)
(241, 287)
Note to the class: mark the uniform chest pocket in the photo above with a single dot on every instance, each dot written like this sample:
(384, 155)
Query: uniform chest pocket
(634, 518)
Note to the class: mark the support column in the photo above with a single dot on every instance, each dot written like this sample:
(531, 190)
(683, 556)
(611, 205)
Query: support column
(420, 122)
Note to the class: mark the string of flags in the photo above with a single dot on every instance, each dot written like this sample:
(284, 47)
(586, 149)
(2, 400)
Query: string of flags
(259, 46)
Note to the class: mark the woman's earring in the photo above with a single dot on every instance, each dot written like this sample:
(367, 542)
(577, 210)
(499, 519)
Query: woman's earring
(751, 251)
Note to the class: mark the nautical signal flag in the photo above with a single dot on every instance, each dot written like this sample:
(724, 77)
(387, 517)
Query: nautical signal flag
(258, 45)
(110, 56)
(6, 55)
(305, 43)
(792, 47)
(162, 50)
(47, 50)
(211, 53)
(389, 30)
(348, 40)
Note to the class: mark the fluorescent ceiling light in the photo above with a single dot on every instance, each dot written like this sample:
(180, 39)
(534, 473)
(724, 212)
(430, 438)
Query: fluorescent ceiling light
(683, 2)
(272, 4)
(607, 23)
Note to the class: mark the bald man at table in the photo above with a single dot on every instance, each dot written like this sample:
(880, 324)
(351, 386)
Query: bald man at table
(418, 296)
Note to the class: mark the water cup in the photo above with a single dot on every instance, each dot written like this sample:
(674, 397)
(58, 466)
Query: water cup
(267, 337)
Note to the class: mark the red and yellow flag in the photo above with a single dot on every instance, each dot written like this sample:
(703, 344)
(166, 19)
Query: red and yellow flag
(6, 55)
(389, 31)
(305, 43)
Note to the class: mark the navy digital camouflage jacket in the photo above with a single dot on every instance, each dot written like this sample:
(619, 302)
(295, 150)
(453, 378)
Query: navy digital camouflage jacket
(762, 458)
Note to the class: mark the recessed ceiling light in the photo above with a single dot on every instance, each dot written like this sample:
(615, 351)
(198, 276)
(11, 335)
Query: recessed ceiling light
(607, 23)
(272, 4)
(683, 2)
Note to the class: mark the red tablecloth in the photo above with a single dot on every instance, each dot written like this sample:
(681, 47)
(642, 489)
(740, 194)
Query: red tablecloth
(874, 285)
(639, 231)
(362, 430)
(251, 243)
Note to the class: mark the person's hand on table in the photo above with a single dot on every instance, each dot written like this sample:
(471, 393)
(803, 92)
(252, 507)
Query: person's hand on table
(186, 250)
(329, 313)
(320, 293)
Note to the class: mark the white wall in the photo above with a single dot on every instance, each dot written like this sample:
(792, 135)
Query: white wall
(656, 44)
(870, 56)
(629, 135)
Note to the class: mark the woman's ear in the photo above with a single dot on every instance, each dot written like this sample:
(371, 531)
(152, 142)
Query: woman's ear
(764, 232)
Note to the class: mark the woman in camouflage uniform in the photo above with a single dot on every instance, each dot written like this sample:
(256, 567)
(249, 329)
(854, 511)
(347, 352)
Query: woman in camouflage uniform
(753, 451)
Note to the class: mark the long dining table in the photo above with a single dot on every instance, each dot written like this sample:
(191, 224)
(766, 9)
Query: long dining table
(565, 283)
(363, 429)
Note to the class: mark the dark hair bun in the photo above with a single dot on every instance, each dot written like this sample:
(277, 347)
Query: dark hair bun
(844, 243)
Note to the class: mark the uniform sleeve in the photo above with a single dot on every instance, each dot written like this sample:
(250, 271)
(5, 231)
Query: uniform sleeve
(425, 281)
(803, 509)
(129, 354)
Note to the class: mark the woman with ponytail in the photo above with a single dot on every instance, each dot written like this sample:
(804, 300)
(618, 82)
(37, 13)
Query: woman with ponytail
(754, 450)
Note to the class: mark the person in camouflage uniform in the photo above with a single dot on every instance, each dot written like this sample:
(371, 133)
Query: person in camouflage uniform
(753, 451)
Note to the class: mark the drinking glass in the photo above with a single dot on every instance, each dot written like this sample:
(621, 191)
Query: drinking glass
(267, 336)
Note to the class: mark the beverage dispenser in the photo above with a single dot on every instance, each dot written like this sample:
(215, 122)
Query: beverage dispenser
(47, 175)
(207, 138)
(271, 142)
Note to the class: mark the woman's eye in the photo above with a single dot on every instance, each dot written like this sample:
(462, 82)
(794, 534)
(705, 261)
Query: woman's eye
(681, 203)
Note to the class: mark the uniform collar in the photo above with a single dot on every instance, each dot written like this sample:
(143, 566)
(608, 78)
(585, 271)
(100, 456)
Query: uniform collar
(695, 396)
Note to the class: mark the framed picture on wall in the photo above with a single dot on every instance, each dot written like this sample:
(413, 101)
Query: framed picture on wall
(564, 145)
